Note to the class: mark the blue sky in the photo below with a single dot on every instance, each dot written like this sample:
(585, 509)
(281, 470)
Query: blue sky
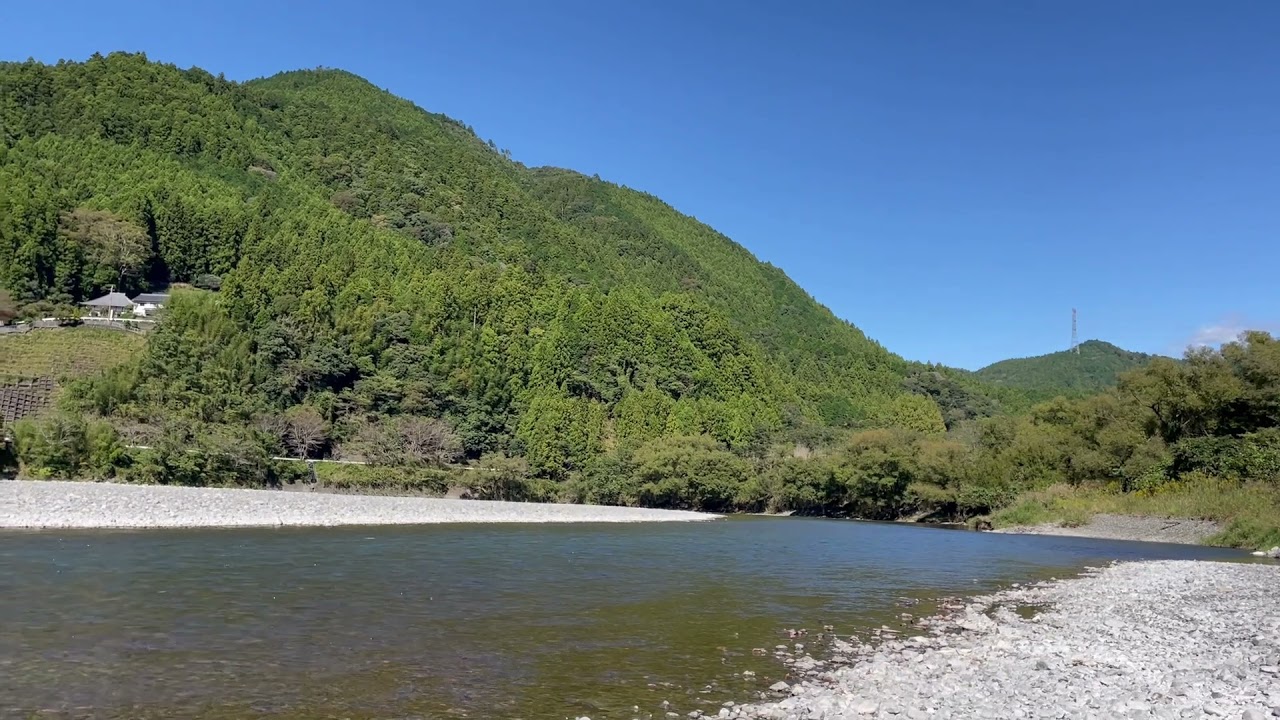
(951, 176)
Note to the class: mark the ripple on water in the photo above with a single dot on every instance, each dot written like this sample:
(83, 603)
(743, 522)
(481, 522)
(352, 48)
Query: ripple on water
(471, 621)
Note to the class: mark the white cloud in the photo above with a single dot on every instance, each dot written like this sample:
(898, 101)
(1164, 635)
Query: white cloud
(1217, 334)
(1227, 330)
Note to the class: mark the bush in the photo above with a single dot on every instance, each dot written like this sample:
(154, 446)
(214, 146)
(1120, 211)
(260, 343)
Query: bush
(216, 456)
(1254, 456)
(1249, 532)
(53, 447)
(605, 481)
(66, 447)
(983, 499)
(342, 476)
(804, 487)
(499, 477)
(688, 473)
(207, 282)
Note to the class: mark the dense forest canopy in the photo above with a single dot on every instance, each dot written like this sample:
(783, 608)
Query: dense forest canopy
(426, 273)
(382, 284)
(1092, 367)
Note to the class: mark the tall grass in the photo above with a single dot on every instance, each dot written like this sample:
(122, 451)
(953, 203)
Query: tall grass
(1250, 512)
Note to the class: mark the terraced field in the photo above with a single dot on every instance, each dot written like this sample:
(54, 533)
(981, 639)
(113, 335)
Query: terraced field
(65, 353)
(33, 364)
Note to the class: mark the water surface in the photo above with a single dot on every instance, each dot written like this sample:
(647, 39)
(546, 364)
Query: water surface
(480, 621)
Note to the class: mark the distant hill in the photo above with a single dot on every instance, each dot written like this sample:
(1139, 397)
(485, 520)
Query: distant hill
(1095, 368)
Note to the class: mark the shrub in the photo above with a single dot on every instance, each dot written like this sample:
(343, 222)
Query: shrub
(53, 447)
(1254, 456)
(689, 473)
(216, 456)
(207, 282)
(605, 481)
(342, 476)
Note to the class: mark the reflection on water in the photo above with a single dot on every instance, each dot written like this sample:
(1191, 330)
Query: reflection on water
(483, 621)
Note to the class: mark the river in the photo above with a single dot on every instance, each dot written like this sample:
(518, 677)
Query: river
(478, 621)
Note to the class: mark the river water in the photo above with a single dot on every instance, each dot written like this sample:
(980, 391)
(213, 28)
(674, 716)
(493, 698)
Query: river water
(478, 621)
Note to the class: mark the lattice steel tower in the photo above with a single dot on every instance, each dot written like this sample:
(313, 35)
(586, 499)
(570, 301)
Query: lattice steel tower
(1075, 335)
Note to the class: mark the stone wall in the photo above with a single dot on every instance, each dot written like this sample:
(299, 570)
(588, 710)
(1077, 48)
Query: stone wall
(22, 398)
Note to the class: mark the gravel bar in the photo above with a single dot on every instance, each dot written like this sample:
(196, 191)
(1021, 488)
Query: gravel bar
(54, 504)
(1169, 639)
(1129, 527)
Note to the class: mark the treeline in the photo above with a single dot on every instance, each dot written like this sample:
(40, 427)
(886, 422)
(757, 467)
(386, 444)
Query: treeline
(376, 261)
(390, 288)
(1212, 419)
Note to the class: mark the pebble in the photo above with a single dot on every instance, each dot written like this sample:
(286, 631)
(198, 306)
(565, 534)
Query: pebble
(56, 504)
(1201, 636)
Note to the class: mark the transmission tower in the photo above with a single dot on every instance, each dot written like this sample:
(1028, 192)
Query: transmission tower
(1075, 335)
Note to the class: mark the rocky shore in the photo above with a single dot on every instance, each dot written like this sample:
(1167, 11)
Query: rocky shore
(51, 504)
(1171, 639)
(1129, 527)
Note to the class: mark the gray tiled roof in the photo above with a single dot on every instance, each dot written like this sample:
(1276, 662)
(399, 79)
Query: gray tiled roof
(114, 299)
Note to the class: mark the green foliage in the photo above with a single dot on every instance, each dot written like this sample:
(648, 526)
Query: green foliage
(186, 454)
(1096, 367)
(426, 481)
(691, 473)
(8, 308)
(1253, 456)
(65, 446)
(390, 287)
(957, 397)
(914, 412)
(1251, 531)
(373, 260)
(498, 477)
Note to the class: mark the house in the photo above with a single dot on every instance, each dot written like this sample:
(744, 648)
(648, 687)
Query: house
(109, 306)
(147, 303)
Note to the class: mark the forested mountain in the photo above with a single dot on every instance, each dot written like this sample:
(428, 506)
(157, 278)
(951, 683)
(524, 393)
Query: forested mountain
(1096, 367)
(377, 260)
(373, 281)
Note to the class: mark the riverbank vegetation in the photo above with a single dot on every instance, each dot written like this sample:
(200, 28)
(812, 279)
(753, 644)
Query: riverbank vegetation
(1191, 439)
(383, 287)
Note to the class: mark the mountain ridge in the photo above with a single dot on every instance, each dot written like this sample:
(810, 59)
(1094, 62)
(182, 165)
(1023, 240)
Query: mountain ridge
(1096, 366)
(378, 260)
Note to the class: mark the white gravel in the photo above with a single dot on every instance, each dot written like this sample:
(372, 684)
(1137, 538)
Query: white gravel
(1171, 639)
(52, 504)
(1129, 527)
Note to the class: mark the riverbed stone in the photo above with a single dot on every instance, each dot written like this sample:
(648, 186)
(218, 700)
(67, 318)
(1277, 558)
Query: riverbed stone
(1187, 629)
(56, 504)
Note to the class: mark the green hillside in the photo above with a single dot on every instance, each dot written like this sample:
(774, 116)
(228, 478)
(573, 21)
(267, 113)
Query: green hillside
(372, 281)
(376, 260)
(1096, 367)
